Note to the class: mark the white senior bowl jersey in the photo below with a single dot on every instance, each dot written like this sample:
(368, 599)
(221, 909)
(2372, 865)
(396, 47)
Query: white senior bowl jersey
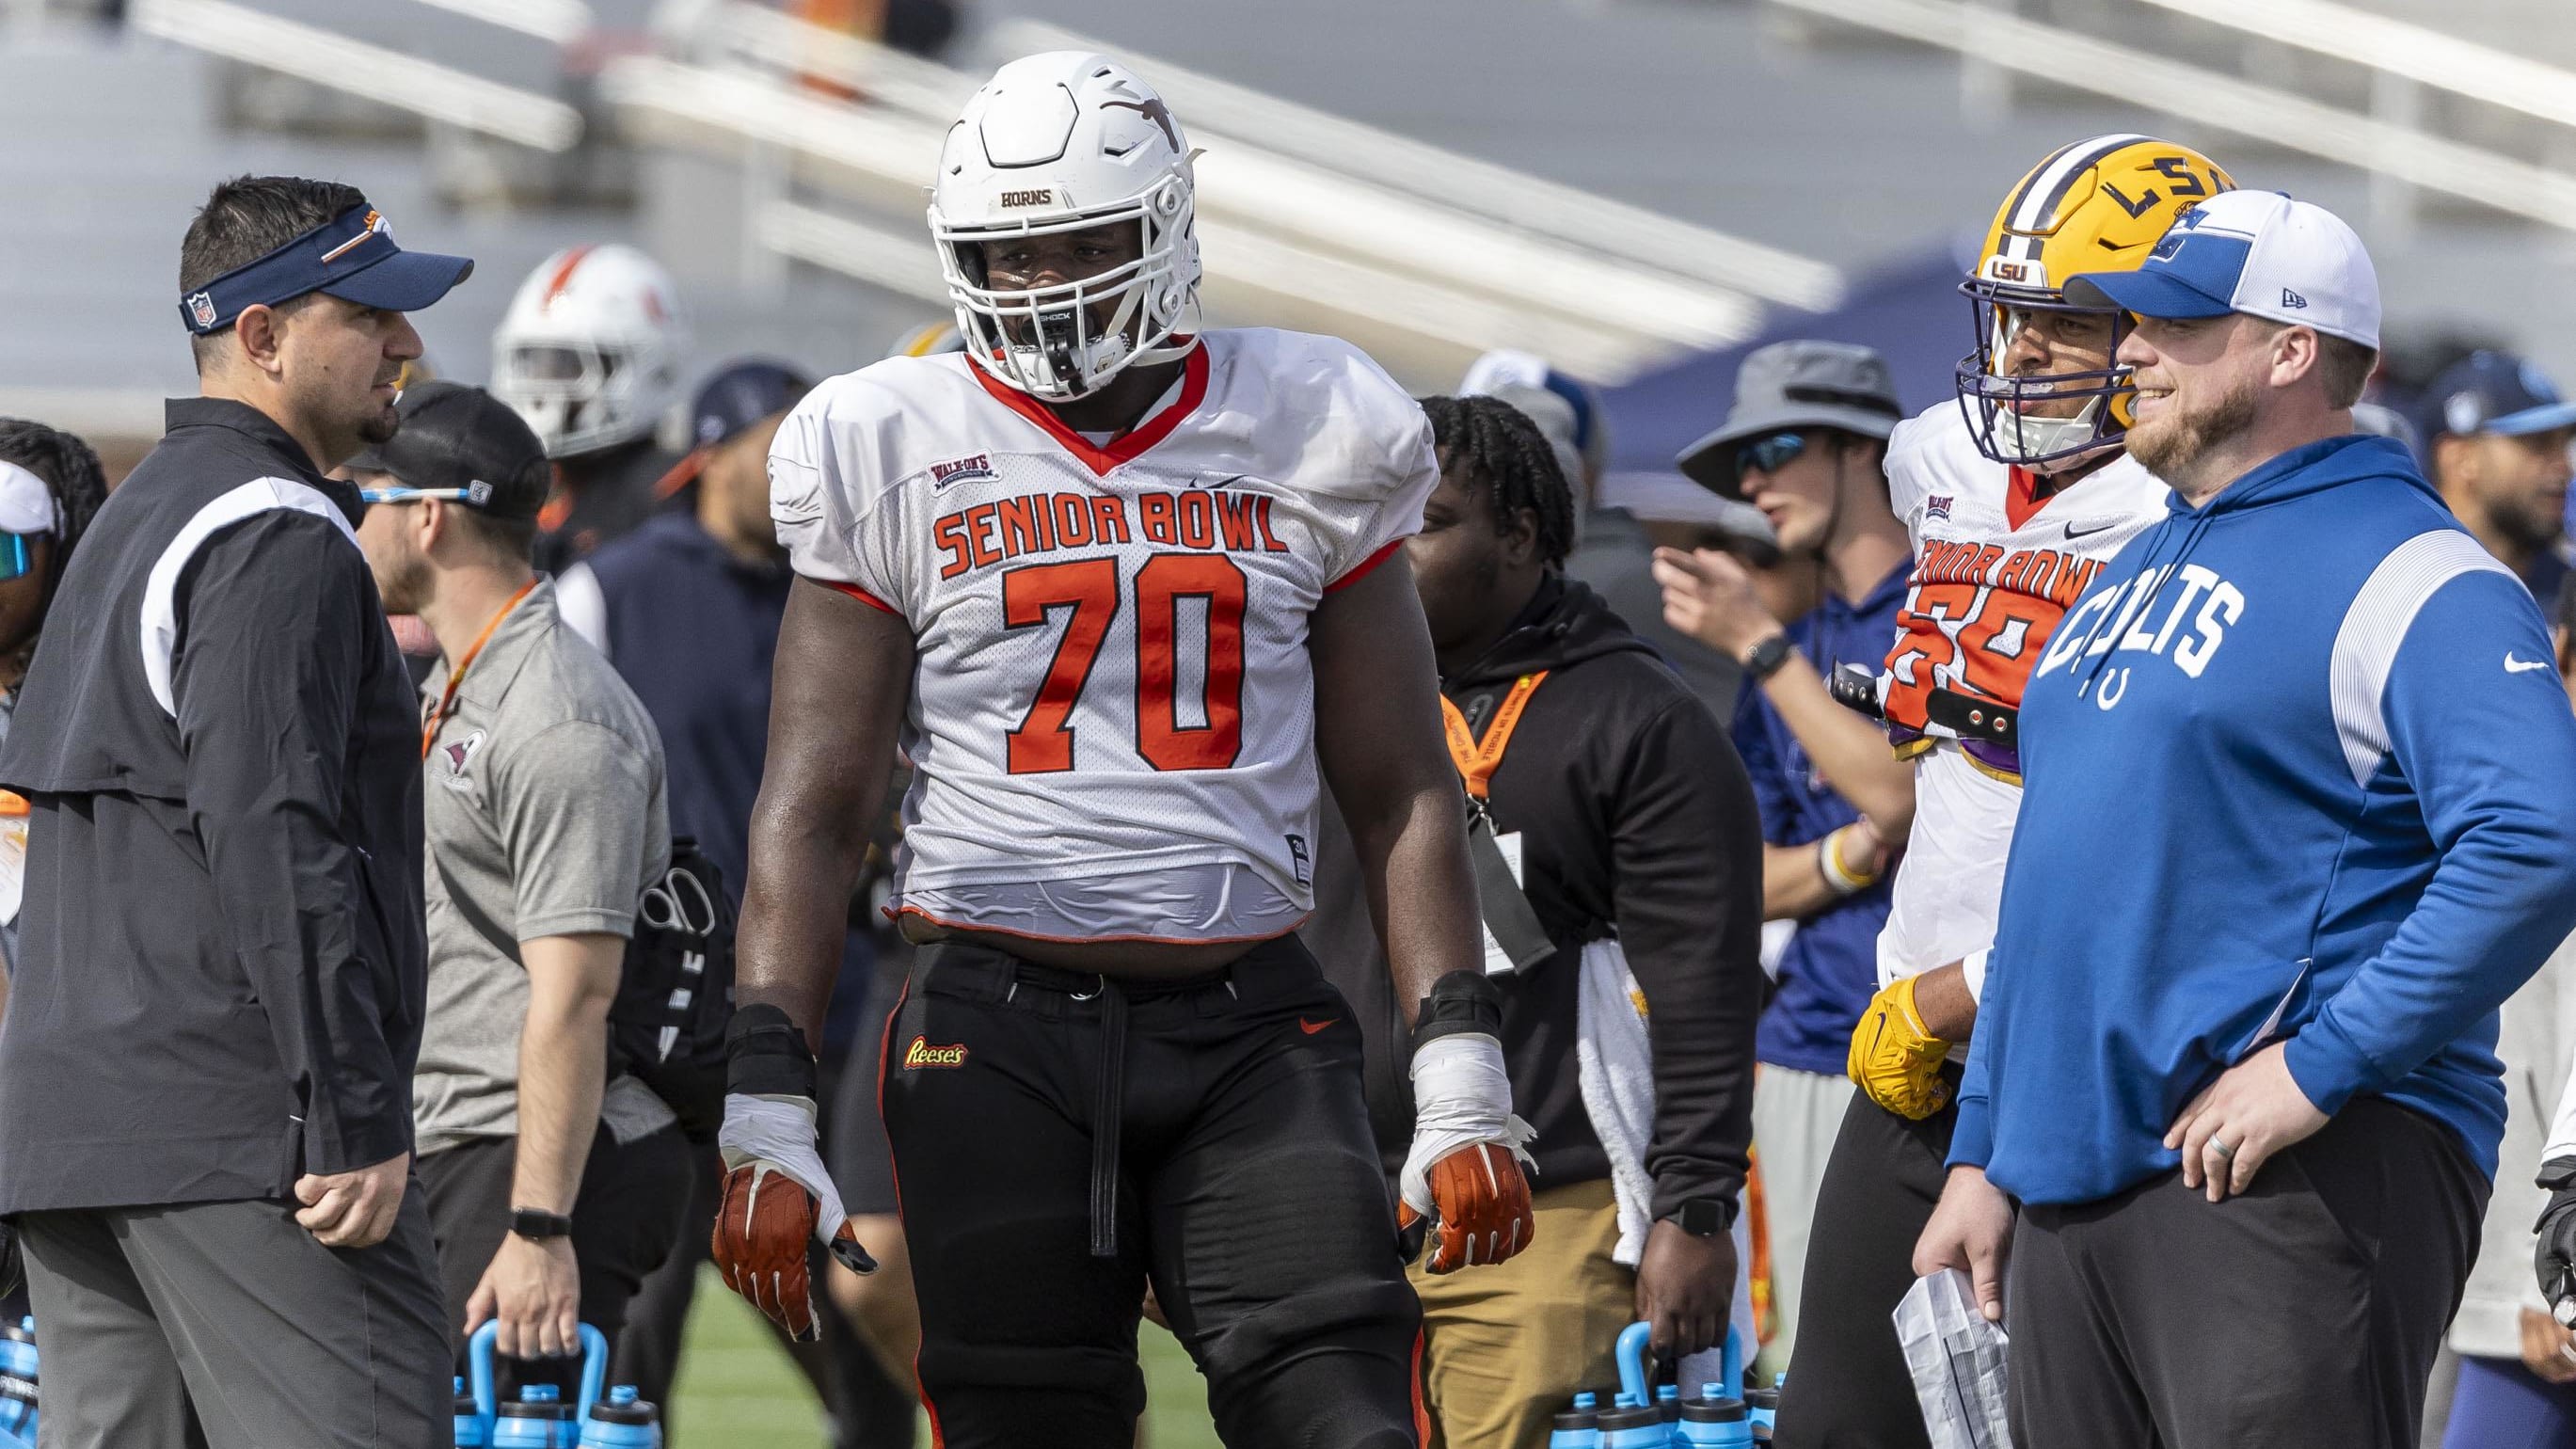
(1995, 568)
(1113, 689)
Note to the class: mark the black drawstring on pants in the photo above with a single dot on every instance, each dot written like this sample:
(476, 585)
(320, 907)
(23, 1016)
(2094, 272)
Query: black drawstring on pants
(1108, 1111)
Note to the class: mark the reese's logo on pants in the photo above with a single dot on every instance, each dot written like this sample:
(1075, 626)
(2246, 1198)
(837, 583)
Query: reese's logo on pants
(922, 1054)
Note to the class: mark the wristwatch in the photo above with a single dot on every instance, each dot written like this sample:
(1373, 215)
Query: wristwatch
(1703, 1217)
(537, 1225)
(1767, 657)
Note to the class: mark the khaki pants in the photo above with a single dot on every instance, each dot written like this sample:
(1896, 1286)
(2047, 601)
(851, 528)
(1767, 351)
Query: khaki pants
(1796, 1117)
(1505, 1348)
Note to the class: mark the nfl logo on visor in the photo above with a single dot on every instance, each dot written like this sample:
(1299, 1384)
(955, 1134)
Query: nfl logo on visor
(201, 307)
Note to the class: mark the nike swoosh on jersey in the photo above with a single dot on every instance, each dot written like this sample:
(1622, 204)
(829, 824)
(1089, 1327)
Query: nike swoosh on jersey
(1312, 1027)
(2073, 533)
(2522, 666)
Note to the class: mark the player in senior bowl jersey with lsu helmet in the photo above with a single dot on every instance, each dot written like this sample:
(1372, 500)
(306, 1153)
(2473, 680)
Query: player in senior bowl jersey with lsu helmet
(2016, 492)
(1125, 588)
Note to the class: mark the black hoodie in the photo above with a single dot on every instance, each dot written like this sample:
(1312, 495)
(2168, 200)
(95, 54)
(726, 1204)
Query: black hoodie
(1636, 821)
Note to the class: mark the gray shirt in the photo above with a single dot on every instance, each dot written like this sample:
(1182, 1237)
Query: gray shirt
(545, 816)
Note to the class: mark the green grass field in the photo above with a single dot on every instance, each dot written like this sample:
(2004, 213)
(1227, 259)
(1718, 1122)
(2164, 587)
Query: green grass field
(737, 1391)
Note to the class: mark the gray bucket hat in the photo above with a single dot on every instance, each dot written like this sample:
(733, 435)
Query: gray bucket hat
(1791, 385)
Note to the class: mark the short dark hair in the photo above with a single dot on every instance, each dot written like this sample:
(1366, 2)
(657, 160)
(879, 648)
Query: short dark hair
(69, 468)
(1508, 457)
(509, 540)
(2344, 366)
(248, 217)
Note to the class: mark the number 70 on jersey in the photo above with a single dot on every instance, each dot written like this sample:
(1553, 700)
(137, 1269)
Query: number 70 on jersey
(1086, 595)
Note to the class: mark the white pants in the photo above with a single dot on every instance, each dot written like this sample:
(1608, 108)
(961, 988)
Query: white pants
(1796, 1117)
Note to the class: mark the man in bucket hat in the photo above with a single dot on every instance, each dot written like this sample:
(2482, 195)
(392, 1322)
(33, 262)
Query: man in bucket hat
(1806, 444)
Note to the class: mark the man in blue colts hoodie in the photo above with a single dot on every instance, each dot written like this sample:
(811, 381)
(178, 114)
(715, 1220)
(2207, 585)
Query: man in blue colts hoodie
(2299, 813)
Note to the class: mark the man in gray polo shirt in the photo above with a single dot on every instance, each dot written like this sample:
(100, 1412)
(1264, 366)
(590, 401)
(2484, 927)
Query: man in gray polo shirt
(553, 1187)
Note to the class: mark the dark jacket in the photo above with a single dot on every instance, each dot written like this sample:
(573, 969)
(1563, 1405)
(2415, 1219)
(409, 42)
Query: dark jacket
(1635, 821)
(221, 974)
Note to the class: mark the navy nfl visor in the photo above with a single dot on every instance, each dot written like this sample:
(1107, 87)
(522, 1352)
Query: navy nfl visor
(352, 257)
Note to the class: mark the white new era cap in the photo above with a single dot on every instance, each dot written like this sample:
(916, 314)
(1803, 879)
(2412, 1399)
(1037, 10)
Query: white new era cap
(2256, 252)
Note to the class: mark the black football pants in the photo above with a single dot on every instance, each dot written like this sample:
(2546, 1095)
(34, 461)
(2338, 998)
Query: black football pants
(1848, 1385)
(1241, 1179)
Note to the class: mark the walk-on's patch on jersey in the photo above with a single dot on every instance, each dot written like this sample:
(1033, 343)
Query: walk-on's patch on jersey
(1995, 570)
(1113, 680)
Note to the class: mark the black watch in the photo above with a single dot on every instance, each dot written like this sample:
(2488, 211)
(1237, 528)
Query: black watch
(1767, 657)
(1703, 1217)
(537, 1225)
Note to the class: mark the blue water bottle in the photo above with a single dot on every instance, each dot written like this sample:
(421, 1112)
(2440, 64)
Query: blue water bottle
(623, 1420)
(1765, 1403)
(1634, 1426)
(18, 1385)
(1714, 1421)
(1578, 1427)
(538, 1418)
(469, 1420)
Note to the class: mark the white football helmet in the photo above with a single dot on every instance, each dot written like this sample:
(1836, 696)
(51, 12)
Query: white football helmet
(590, 351)
(1063, 142)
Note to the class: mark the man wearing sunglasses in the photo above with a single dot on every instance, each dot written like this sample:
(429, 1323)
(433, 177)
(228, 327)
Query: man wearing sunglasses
(1803, 444)
(207, 1151)
(554, 1184)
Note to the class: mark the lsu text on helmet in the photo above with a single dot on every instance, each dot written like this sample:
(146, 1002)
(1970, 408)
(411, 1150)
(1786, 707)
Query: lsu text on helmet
(2098, 205)
(590, 351)
(1063, 142)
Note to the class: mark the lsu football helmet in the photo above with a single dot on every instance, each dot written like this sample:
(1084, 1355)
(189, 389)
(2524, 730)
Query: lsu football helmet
(1059, 142)
(2096, 206)
(591, 349)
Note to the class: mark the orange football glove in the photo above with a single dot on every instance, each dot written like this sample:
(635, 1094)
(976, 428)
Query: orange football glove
(777, 1198)
(1461, 1185)
(1480, 1209)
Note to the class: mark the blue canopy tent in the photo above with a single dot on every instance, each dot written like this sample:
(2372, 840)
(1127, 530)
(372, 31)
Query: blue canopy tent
(1911, 312)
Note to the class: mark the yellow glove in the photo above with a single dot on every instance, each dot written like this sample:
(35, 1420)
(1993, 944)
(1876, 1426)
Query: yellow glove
(1895, 1059)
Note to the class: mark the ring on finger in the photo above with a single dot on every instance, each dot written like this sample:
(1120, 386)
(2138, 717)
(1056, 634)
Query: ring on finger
(2222, 1149)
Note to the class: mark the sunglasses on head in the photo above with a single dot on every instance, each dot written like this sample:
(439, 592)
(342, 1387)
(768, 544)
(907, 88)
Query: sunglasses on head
(1769, 455)
(477, 494)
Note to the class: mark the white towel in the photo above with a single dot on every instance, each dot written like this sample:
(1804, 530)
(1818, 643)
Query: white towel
(1615, 1067)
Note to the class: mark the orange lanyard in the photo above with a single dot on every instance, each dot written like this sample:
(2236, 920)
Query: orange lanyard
(1476, 759)
(465, 661)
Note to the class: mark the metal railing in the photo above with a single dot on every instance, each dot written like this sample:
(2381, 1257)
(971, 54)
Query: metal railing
(2398, 48)
(1353, 238)
(1594, 223)
(354, 67)
(2121, 72)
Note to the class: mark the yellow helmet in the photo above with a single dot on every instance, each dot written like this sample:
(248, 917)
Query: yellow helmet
(2095, 206)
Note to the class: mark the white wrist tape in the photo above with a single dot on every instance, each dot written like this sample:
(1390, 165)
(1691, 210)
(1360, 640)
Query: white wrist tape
(778, 1133)
(1461, 1097)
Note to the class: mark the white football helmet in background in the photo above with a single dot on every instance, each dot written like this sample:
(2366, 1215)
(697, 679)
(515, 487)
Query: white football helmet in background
(1061, 142)
(591, 350)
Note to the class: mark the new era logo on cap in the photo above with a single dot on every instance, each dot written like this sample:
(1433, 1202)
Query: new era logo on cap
(2256, 252)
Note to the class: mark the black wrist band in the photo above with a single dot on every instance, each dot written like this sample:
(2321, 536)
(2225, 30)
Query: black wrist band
(2557, 1174)
(1767, 657)
(1703, 1217)
(766, 1056)
(538, 1225)
(1462, 1001)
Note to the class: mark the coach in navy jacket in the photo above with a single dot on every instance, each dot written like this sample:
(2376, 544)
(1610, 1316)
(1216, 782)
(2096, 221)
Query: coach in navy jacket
(2300, 812)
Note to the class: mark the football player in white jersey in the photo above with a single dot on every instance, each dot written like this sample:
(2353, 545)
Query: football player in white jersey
(2016, 492)
(1125, 589)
